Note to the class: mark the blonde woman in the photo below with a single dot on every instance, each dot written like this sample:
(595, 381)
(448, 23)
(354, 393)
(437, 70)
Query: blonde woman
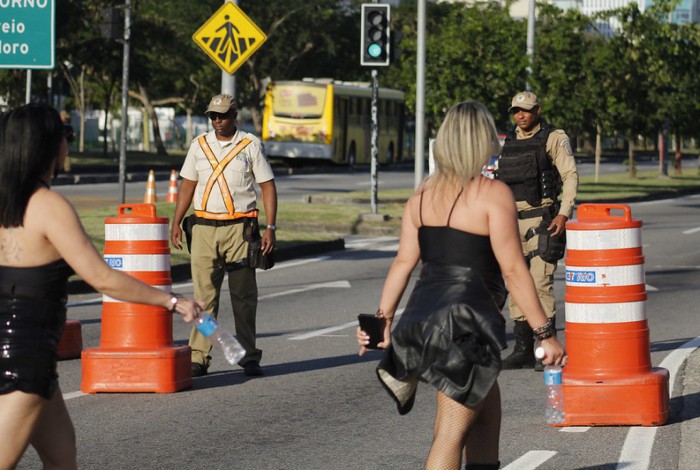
(463, 227)
(42, 242)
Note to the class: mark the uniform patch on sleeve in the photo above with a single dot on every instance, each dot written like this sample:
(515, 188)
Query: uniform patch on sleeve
(567, 146)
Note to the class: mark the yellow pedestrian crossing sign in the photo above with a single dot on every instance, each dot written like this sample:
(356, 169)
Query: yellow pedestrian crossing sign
(229, 37)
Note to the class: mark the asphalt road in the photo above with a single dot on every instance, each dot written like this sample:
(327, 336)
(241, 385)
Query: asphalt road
(102, 190)
(320, 406)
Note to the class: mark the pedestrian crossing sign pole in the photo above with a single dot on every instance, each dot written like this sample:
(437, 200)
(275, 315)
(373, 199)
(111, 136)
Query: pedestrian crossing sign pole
(229, 37)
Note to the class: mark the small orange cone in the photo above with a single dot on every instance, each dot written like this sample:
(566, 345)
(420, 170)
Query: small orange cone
(150, 196)
(172, 187)
(71, 343)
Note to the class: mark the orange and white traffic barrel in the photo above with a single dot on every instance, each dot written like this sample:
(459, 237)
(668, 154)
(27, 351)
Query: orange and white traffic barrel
(172, 187)
(136, 352)
(608, 378)
(150, 196)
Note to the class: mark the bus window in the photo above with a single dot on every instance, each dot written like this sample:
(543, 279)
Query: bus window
(299, 102)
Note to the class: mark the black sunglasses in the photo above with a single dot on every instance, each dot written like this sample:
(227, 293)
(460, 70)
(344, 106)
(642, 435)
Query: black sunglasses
(222, 116)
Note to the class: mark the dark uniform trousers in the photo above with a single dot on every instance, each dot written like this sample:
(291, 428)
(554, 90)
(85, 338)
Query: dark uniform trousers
(212, 249)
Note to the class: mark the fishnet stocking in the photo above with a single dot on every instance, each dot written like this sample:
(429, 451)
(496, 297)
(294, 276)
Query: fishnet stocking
(457, 428)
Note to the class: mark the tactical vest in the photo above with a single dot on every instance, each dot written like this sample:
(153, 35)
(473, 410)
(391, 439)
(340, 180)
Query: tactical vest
(527, 169)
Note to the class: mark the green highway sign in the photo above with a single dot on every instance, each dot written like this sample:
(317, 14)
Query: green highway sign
(27, 31)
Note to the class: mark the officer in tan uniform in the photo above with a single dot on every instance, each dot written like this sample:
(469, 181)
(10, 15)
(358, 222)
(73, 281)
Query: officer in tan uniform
(538, 165)
(219, 171)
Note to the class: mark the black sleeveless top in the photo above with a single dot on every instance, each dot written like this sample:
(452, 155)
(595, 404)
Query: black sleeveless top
(448, 245)
(32, 318)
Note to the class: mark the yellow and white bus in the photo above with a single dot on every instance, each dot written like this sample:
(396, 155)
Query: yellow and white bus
(331, 120)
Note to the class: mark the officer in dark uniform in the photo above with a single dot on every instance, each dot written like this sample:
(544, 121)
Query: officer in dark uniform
(538, 165)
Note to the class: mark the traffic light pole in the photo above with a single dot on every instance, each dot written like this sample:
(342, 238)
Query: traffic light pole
(374, 177)
(125, 101)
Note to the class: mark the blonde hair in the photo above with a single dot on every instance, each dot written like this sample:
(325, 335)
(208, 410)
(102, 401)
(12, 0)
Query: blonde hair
(465, 141)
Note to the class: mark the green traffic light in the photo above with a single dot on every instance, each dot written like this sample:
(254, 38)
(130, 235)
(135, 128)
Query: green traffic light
(374, 50)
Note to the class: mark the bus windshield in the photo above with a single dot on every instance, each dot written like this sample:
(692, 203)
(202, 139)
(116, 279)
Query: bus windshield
(306, 101)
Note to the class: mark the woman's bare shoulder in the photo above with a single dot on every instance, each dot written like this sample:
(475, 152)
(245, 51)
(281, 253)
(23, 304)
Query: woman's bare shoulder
(48, 205)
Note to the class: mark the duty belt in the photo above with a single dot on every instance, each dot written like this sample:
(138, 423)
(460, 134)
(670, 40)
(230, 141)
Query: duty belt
(532, 213)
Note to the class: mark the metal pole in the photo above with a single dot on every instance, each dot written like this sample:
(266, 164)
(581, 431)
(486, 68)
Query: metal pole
(228, 81)
(374, 142)
(125, 101)
(530, 40)
(420, 95)
(28, 92)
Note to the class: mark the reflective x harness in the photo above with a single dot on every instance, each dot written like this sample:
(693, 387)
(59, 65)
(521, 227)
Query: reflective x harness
(218, 177)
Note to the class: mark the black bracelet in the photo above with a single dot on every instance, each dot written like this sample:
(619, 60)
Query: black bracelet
(544, 327)
(546, 334)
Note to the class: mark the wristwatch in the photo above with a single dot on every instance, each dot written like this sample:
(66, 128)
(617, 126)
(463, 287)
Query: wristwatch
(272, 227)
(173, 301)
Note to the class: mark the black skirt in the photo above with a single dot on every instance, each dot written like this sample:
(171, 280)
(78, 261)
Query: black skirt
(450, 336)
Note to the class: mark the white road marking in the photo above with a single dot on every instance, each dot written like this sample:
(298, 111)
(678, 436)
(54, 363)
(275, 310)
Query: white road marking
(575, 429)
(69, 395)
(636, 451)
(531, 460)
(320, 285)
(651, 288)
(331, 329)
(691, 231)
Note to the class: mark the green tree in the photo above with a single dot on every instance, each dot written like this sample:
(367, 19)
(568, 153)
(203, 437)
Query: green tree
(562, 41)
(472, 52)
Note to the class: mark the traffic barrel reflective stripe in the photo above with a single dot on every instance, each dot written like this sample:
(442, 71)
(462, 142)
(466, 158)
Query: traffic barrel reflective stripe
(608, 378)
(172, 187)
(137, 339)
(150, 196)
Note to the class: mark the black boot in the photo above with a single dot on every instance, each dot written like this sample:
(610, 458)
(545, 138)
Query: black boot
(523, 356)
(539, 367)
(483, 466)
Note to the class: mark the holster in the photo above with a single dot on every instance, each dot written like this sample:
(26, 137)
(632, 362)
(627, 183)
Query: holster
(550, 249)
(187, 224)
(251, 234)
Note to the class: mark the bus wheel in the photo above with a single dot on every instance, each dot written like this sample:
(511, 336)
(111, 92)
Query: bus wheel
(352, 156)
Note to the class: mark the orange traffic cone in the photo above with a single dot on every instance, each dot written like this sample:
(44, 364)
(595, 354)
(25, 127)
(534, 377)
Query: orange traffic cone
(150, 196)
(172, 187)
(71, 343)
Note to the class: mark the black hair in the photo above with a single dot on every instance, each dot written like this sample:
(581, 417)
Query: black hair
(30, 141)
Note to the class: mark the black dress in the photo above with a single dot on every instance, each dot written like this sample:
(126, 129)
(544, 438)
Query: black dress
(32, 318)
(451, 332)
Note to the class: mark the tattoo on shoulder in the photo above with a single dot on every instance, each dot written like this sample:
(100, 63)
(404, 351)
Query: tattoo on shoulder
(9, 247)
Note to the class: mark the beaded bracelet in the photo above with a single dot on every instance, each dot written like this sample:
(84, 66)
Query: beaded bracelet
(544, 327)
(543, 331)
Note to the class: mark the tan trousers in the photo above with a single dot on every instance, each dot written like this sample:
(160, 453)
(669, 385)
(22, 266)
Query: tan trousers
(212, 248)
(542, 273)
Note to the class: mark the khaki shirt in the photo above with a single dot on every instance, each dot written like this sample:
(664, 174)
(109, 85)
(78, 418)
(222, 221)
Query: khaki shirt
(250, 166)
(559, 150)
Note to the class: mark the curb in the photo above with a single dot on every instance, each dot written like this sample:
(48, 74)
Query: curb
(181, 272)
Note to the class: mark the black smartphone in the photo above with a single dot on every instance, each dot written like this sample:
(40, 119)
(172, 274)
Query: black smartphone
(374, 327)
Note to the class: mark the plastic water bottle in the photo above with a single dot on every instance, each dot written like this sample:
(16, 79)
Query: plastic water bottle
(555, 397)
(224, 341)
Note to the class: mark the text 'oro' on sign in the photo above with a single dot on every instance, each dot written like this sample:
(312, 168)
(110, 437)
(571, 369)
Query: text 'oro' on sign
(229, 37)
(27, 34)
